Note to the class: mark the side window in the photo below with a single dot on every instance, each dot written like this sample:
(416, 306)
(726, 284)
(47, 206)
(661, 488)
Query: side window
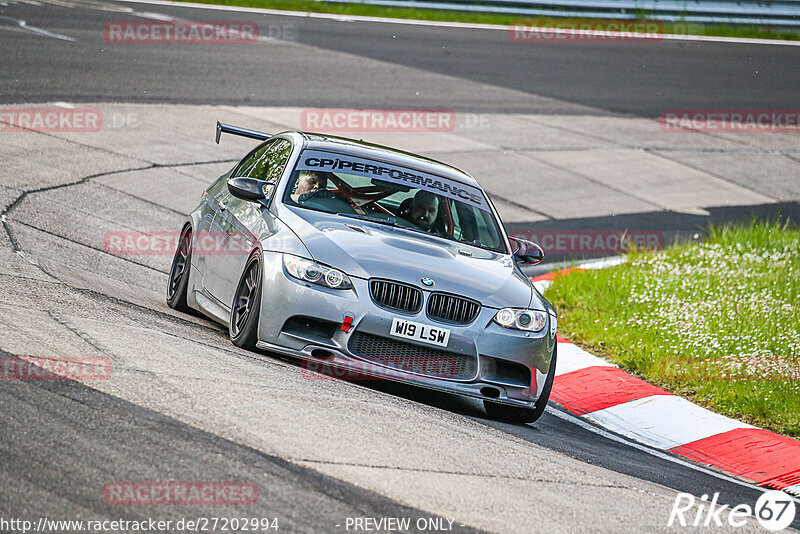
(267, 162)
(218, 187)
(248, 163)
(457, 232)
(487, 230)
(278, 155)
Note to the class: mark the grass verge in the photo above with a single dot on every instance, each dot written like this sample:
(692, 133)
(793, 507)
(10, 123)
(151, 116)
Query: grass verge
(315, 6)
(716, 322)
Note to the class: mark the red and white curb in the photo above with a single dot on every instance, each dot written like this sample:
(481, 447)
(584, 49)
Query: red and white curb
(594, 389)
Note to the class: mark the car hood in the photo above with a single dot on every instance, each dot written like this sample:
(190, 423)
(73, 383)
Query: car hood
(371, 250)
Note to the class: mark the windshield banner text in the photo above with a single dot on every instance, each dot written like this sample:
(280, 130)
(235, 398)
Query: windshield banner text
(317, 160)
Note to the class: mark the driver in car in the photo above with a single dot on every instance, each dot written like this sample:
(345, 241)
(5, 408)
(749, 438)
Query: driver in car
(311, 184)
(424, 210)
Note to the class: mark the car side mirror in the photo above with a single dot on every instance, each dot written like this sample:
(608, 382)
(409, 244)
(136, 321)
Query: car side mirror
(526, 251)
(250, 188)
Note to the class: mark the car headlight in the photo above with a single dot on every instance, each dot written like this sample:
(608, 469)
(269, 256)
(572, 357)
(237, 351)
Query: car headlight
(316, 273)
(521, 319)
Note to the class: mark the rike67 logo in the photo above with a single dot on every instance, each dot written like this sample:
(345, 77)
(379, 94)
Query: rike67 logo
(774, 510)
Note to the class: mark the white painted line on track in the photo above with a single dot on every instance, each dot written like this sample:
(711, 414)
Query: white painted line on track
(663, 421)
(458, 25)
(154, 16)
(21, 25)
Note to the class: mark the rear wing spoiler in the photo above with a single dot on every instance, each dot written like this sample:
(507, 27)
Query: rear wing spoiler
(244, 132)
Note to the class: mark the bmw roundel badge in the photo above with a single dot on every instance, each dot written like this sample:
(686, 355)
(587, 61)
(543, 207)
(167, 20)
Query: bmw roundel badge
(427, 282)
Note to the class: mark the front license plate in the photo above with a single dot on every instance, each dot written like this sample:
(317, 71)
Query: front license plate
(420, 332)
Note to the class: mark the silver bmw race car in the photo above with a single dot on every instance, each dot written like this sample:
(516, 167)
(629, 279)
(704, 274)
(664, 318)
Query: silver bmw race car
(360, 257)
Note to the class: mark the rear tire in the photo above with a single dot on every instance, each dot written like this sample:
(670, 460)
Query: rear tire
(518, 415)
(179, 273)
(246, 305)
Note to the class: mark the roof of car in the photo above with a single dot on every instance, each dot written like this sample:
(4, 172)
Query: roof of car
(363, 148)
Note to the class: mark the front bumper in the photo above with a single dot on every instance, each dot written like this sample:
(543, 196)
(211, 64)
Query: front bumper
(287, 303)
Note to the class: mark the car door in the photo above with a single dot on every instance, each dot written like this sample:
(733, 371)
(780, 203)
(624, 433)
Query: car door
(209, 206)
(239, 223)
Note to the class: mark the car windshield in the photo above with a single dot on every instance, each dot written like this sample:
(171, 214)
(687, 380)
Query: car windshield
(394, 195)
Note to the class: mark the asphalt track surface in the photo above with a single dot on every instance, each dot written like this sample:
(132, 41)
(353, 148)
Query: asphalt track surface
(61, 441)
(639, 78)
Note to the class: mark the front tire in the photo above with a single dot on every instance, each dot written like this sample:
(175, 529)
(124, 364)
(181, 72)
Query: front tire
(179, 273)
(518, 415)
(246, 305)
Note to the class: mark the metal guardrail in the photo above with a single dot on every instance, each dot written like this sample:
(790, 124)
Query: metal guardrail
(785, 13)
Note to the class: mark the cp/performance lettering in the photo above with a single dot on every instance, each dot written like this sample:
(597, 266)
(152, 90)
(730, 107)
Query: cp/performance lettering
(428, 182)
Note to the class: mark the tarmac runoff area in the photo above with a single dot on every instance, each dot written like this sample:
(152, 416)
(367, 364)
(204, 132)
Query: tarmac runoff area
(63, 295)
